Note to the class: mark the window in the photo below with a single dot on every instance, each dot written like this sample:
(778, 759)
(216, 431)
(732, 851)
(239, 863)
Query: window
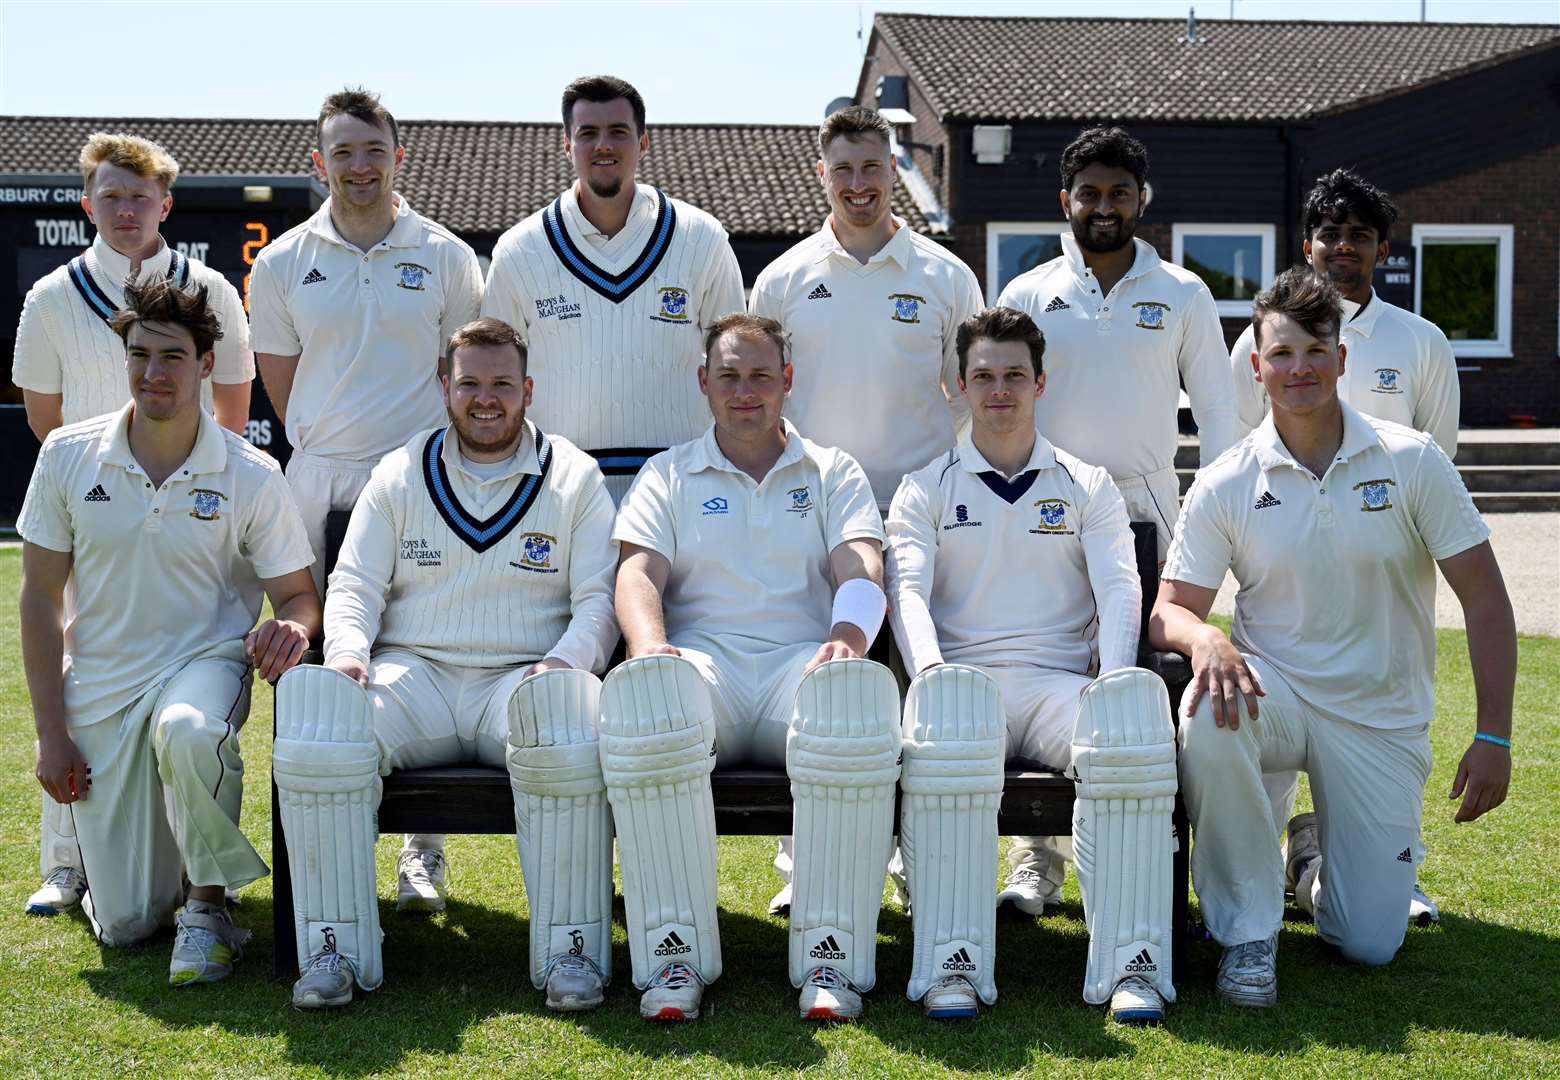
(1015, 246)
(1234, 261)
(1462, 283)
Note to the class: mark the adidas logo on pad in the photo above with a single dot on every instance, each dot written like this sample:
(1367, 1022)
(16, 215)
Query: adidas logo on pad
(820, 293)
(827, 949)
(1142, 962)
(1266, 501)
(97, 494)
(959, 961)
(672, 945)
(1407, 856)
(313, 277)
(1057, 304)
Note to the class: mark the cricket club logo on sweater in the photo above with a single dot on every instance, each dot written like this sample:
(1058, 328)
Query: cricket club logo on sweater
(412, 276)
(536, 553)
(1151, 314)
(208, 504)
(674, 305)
(1387, 381)
(1053, 518)
(801, 501)
(1374, 494)
(907, 307)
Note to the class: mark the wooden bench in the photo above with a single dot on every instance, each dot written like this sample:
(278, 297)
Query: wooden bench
(748, 802)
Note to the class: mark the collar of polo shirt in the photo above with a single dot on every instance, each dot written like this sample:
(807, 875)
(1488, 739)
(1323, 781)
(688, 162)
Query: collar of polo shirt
(1043, 456)
(707, 454)
(1145, 261)
(1363, 320)
(117, 266)
(405, 232)
(1271, 452)
(897, 249)
(209, 454)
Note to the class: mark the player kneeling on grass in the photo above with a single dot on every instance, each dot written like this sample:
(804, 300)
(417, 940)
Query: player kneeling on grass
(1333, 524)
(1008, 560)
(469, 606)
(749, 590)
(169, 529)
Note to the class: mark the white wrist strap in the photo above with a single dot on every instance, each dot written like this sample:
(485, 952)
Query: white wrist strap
(862, 604)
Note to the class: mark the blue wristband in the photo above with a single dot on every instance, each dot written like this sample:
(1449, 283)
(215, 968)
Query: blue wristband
(1484, 736)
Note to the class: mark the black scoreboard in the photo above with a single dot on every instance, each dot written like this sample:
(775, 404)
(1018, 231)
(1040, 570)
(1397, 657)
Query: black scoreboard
(224, 221)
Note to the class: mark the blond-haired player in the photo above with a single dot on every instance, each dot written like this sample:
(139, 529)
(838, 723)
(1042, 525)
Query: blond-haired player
(169, 532)
(71, 366)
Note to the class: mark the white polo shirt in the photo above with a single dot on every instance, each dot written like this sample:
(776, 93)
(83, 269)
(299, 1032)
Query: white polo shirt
(750, 560)
(1397, 366)
(876, 370)
(1013, 571)
(64, 345)
(159, 574)
(1114, 364)
(367, 327)
(1337, 575)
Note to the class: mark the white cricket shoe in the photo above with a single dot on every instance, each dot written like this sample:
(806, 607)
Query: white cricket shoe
(420, 881)
(780, 905)
(1421, 909)
(574, 983)
(1248, 973)
(1027, 891)
(61, 891)
(674, 994)
(1301, 849)
(326, 981)
(1136, 1001)
(206, 945)
(829, 995)
(951, 998)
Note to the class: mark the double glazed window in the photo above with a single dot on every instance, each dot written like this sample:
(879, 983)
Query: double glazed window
(1462, 283)
(1234, 261)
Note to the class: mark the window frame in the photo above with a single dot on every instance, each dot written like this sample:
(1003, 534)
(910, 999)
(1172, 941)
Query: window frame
(1504, 236)
(1267, 233)
(995, 230)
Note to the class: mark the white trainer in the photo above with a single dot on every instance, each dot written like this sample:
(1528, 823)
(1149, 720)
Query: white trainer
(420, 881)
(1301, 848)
(1422, 911)
(674, 994)
(1248, 973)
(780, 905)
(829, 995)
(951, 998)
(326, 981)
(206, 945)
(574, 983)
(1136, 1001)
(1027, 891)
(61, 891)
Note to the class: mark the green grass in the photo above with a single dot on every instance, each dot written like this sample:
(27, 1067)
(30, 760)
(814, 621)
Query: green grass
(1475, 996)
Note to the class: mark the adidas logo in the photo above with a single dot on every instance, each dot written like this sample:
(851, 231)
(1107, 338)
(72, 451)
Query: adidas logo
(97, 494)
(1266, 501)
(672, 945)
(1407, 856)
(313, 277)
(1142, 962)
(1057, 304)
(959, 961)
(820, 293)
(827, 949)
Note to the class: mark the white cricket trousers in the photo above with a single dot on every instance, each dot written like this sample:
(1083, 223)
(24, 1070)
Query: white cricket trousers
(427, 713)
(167, 783)
(320, 485)
(1368, 785)
(1154, 497)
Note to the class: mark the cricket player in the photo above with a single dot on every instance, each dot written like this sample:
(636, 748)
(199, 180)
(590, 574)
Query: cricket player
(1124, 330)
(1401, 367)
(1333, 523)
(469, 607)
(1008, 560)
(749, 591)
(613, 285)
(351, 311)
(168, 532)
(71, 366)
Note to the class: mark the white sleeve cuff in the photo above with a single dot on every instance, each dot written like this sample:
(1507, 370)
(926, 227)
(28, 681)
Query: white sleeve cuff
(862, 604)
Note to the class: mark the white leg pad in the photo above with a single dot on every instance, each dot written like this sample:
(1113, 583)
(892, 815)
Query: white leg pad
(326, 765)
(563, 829)
(657, 753)
(1123, 759)
(842, 755)
(954, 748)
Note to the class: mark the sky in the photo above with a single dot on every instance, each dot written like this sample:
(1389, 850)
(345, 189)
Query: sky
(724, 61)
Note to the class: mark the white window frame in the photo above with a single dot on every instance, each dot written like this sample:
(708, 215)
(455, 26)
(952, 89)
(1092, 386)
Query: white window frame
(1505, 244)
(995, 230)
(1229, 309)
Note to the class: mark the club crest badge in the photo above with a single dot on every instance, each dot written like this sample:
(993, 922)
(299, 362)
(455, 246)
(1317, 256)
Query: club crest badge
(208, 504)
(801, 501)
(1387, 381)
(1375, 495)
(674, 305)
(1053, 516)
(412, 276)
(1151, 314)
(907, 307)
(536, 553)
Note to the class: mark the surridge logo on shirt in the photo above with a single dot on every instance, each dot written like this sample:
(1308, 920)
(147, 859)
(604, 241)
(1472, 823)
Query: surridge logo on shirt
(717, 505)
(907, 307)
(412, 275)
(801, 501)
(536, 553)
(1387, 381)
(961, 519)
(1151, 314)
(421, 552)
(1374, 494)
(1053, 518)
(674, 305)
(208, 504)
(558, 307)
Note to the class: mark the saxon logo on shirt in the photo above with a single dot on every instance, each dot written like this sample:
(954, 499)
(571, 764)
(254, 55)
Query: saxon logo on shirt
(907, 307)
(1053, 518)
(536, 553)
(412, 276)
(674, 305)
(801, 501)
(1375, 494)
(208, 504)
(1387, 381)
(717, 505)
(1151, 314)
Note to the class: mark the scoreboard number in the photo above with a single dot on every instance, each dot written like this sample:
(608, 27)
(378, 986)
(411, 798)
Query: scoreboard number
(252, 249)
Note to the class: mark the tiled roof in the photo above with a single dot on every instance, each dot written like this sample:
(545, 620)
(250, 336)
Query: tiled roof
(989, 68)
(483, 177)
